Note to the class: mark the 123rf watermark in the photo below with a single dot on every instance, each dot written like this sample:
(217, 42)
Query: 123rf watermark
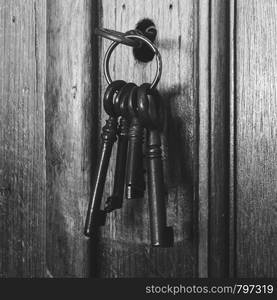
(235, 289)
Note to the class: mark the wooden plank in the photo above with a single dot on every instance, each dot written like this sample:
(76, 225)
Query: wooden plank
(219, 140)
(70, 134)
(124, 249)
(204, 147)
(213, 138)
(232, 139)
(256, 151)
(22, 151)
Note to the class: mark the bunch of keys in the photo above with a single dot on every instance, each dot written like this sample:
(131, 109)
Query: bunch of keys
(132, 111)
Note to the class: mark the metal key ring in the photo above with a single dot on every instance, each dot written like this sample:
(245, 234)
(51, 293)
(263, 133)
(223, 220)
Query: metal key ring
(112, 90)
(121, 100)
(145, 40)
(150, 107)
(117, 36)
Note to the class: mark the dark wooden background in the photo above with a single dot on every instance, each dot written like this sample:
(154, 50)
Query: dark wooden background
(219, 85)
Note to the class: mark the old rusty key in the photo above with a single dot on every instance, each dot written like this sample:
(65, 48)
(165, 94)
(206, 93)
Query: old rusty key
(96, 216)
(135, 184)
(121, 110)
(151, 114)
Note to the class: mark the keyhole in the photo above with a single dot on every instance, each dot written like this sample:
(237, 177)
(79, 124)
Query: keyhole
(148, 29)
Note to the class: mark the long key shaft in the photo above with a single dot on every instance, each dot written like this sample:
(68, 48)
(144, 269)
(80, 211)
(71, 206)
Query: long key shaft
(151, 114)
(120, 104)
(96, 216)
(135, 184)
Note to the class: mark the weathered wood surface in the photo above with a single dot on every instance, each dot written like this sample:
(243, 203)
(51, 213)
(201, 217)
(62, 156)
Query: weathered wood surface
(203, 139)
(232, 139)
(49, 175)
(213, 138)
(70, 134)
(124, 246)
(22, 126)
(219, 138)
(256, 151)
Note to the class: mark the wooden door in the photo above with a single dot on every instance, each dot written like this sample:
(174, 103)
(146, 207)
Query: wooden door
(218, 83)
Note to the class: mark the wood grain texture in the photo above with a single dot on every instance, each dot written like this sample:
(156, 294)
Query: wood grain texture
(70, 121)
(204, 148)
(232, 138)
(219, 140)
(124, 247)
(22, 151)
(213, 138)
(256, 151)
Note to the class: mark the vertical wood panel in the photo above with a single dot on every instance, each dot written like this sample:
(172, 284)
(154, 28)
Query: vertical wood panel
(204, 119)
(256, 138)
(219, 138)
(125, 250)
(22, 151)
(232, 139)
(214, 202)
(70, 145)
